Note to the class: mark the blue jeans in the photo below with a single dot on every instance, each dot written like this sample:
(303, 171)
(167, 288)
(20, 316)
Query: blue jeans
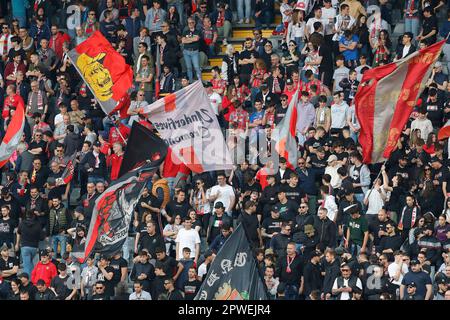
(28, 254)
(62, 239)
(300, 44)
(180, 9)
(192, 59)
(291, 292)
(412, 25)
(240, 9)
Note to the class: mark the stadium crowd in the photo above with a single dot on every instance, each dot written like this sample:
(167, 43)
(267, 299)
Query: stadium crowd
(333, 228)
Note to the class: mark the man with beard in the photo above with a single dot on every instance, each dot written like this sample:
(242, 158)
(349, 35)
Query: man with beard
(88, 200)
(326, 229)
(38, 206)
(247, 58)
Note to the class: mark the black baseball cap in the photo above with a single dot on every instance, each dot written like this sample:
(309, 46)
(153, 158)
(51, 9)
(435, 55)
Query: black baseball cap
(414, 262)
(275, 208)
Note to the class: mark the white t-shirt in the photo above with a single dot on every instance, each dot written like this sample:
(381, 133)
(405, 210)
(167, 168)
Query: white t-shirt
(58, 119)
(226, 194)
(202, 270)
(393, 268)
(215, 99)
(310, 24)
(328, 16)
(187, 238)
(375, 201)
(339, 115)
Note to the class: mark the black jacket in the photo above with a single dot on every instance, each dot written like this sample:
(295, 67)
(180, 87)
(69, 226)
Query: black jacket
(313, 279)
(31, 232)
(326, 229)
(332, 271)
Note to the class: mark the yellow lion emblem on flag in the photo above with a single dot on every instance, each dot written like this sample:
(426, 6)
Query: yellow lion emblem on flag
(96, 75)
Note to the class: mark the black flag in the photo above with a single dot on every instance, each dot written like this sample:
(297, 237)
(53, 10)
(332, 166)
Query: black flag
(234, 274)
(112, 213)
(142, 145)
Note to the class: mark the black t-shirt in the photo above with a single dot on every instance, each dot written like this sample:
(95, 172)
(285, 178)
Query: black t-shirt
(327, 60)
(14, 205)
(280, 113)
(288, 210)
(174, 208)
(294, 194)
(247, 54)
(251, 224)
(35, 145)
(169, 265)
(272, 225)
(314, 143)
(318, 164)
(293, 274)
(190, 289)
(117, 265)
(190, 34)
(103, 296)
(8, 264)
(7, 231)
(61, 286)
(109, 284)
(435, 112)
(428, 25)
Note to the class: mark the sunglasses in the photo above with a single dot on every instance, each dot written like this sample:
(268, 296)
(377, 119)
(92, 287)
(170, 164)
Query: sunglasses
(303, 207)
(98, 288)
(345, 270)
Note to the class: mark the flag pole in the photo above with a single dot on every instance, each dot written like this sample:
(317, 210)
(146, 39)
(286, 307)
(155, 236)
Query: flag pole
(379, 173)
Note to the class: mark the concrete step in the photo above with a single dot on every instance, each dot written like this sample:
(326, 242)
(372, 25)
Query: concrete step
(215, 62)
(248, 33)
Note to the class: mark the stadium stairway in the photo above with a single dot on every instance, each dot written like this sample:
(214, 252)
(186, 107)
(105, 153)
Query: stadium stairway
(239, 33)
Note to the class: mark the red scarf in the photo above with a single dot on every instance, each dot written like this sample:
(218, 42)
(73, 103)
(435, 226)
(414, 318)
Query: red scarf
(289, 262)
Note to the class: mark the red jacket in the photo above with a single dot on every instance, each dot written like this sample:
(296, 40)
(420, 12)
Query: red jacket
(56, 43)
(9, 69)
(45, 272)
(114, 161)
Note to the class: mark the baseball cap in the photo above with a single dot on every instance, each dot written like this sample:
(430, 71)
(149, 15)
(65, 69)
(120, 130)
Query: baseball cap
(218, 205)
(412, 284)
(414, 262)
(268, 252)
(43, 253)
(438, 64)
(97, 144)
(435, 159)
(80, 209)
(309, 228)
(442, 279)
(275, 208)
(289, 81)
(332, 158)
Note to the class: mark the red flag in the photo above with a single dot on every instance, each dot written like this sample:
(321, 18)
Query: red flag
(284, 134)
(14, 132)
(386, 97)
(444, 132)
(103, 69)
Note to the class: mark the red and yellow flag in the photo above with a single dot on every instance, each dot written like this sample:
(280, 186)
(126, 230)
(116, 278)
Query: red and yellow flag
(387, 96)
(103, 69)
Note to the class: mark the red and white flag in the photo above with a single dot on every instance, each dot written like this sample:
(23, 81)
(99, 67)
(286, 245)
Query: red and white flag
(190, 128)
(386, 97)
(284, 134)
(14, 132)
(444, 132)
